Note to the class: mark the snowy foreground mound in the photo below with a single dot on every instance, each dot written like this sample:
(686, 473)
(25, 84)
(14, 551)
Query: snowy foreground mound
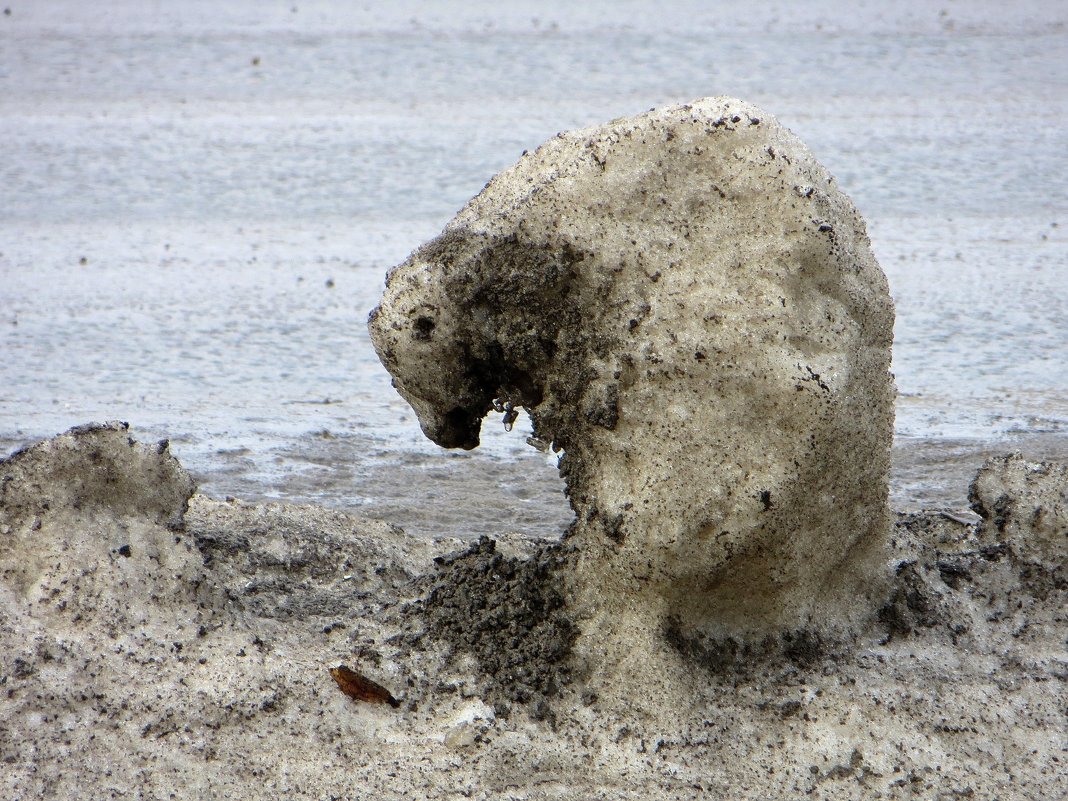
(149, 650)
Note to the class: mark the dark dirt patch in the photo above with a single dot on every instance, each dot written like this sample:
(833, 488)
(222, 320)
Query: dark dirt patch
(509, 614)
(1043, 581)
(912, 605)
(727, 656)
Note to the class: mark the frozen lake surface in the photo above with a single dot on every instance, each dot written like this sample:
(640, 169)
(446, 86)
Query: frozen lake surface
(200, 201)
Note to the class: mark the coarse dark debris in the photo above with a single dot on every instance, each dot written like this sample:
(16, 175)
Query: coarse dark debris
(509, 614)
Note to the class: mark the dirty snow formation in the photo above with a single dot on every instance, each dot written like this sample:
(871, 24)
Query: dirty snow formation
(155, 645)
(688, 306)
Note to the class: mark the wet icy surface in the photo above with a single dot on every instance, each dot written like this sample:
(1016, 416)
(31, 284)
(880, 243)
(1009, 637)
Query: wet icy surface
(200, 202)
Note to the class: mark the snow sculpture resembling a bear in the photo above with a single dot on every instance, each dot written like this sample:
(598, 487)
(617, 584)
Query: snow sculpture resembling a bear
(687, 305)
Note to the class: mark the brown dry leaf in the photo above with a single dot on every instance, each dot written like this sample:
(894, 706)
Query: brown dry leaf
(361, 688)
